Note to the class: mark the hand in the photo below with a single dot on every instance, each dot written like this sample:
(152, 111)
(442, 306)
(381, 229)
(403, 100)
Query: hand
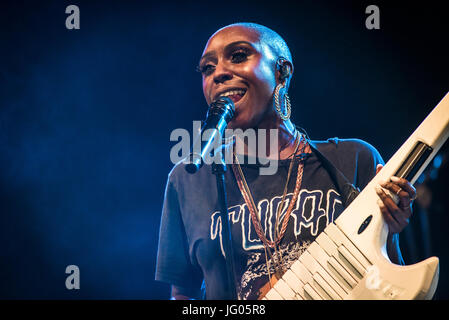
(396, 214)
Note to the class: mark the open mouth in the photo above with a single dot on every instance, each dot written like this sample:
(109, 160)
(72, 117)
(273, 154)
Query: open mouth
(234, 94)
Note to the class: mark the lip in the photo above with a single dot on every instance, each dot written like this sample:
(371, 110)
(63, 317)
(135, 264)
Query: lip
(219, 93)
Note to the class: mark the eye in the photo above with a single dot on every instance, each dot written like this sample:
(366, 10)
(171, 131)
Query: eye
(239, 56)
(206, 69)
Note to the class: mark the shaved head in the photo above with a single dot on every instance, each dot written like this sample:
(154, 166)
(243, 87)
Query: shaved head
(245, 57)
(268, 37)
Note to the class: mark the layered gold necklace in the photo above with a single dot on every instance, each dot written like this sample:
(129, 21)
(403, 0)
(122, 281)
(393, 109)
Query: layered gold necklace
(303, 147)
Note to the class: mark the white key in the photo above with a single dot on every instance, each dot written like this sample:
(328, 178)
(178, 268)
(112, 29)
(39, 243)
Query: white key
(332, 250)
(294, 283)
(311, 293)
(326, 287)
(352, 261)
(321, 256)
(346, 276)
(273, 295)
(341, 239)
(326, 243)
(284, 290)
(301, 272)
(314, 267)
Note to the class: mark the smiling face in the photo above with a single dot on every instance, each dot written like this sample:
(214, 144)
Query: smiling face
(236, 63)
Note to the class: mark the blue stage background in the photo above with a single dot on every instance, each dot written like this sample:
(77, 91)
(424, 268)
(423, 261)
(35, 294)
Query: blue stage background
(86, 116)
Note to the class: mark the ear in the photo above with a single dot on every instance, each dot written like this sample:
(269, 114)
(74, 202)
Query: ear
(284, 70)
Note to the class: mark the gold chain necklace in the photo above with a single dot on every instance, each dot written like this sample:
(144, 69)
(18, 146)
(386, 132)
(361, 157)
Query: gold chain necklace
(246, 193)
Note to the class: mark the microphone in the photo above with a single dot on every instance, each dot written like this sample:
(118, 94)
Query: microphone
(220, 112)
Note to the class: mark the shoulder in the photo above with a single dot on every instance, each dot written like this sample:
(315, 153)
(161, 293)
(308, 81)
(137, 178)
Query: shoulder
(178, 175)
(348, 149)
(338, 144)
(177, 171)
(355, 158)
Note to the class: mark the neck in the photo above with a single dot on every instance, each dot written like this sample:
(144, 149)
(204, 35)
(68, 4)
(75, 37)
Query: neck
(280, 148)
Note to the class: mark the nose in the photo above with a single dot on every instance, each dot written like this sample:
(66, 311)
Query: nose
(221, 74)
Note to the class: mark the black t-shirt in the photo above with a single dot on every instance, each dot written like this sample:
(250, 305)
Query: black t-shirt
(190, 241)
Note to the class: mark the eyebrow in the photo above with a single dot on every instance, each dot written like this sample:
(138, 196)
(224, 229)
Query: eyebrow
(209, 55)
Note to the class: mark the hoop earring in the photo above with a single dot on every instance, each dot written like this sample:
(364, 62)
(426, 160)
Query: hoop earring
(277, 103)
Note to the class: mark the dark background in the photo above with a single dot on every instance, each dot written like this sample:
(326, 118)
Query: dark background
(86, 115)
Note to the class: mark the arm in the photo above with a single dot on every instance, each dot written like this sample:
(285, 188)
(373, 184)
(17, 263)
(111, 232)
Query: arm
(173, 263)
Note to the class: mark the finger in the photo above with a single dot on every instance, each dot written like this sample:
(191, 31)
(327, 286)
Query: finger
(395, 217)
(405, 185)
(406, 205)
(398, 213)
(393, 225)
(403, 199)
(394, 188)
(388, 192)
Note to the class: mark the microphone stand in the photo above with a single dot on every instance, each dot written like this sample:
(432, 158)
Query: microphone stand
(219, 169)
(219, 114)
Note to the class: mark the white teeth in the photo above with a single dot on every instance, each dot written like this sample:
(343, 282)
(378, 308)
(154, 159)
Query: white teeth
(233, 92)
